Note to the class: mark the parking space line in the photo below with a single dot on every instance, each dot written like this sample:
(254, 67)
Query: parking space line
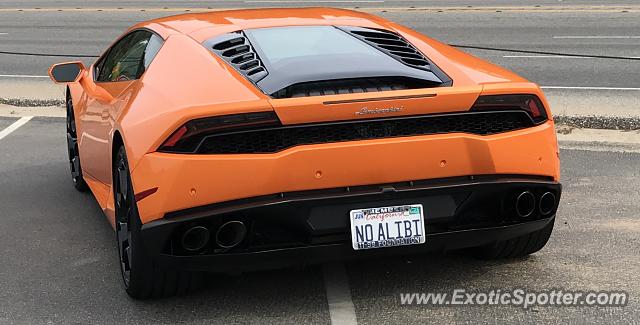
(21, 76)
(22, 121)
(336, 284)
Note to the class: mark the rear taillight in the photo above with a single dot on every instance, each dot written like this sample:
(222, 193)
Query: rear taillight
(528, 103)
(188, 137)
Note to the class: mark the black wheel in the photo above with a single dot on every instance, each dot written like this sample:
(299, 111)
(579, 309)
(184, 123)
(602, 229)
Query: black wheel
(72, 148)
(142, 279)
(516, 247)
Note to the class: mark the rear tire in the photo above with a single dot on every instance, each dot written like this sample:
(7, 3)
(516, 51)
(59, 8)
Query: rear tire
(516, 247)
(141, 277)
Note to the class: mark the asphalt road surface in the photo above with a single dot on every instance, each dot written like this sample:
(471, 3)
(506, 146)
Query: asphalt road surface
(583, 32)
(59, 262)
(585, 86)
(43, 4)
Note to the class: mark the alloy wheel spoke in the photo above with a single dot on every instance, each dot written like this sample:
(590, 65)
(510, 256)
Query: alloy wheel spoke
(75, 167)
(123, 216)
(71, 125)
(118, 201)
(123, 231)
(127, 259)
(72, 145)
(122, 179)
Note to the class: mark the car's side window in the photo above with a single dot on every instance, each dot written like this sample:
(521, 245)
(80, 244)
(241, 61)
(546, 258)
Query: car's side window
(97, 67)
(155, 43)
(109, 61)
(128, 59)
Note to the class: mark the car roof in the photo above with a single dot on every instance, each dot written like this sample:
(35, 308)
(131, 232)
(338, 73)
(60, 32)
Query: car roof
(204, 25)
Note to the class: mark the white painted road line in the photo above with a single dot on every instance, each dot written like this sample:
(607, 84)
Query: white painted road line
(336, 284)
(4, 33)
(22, 121)
(598, 37)
(21, 76)
(589, 88)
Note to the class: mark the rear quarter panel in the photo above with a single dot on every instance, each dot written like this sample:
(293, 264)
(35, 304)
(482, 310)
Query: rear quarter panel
(185, 81)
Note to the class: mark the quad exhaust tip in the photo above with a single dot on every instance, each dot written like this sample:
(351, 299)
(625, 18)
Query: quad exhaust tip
(231, 234)
(547, 203)
(525, 204)
(195, 238)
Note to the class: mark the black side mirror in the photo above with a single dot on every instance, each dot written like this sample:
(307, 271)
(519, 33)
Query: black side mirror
(66, 72)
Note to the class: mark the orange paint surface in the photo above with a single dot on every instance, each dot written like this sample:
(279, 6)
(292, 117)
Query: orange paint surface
(186, 81)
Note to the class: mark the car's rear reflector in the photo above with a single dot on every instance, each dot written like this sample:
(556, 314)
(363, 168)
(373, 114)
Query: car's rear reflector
(145, 193)
(524, 102)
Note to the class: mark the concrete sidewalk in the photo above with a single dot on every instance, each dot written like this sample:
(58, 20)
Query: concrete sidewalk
(564, 102)
(597, 118)
(570, 136)
(30, 88)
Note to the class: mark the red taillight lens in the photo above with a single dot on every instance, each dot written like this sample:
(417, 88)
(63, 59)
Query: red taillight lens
(173, 139)
(528, 103)
(188, 137)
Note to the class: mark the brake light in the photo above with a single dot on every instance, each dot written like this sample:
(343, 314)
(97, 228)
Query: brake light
(528, 103)
(188, 137)
(173, 139)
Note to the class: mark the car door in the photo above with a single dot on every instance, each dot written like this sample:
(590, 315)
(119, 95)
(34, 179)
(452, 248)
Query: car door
(114, 74)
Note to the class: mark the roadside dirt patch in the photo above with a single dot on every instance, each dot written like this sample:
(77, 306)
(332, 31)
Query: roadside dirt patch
(628, 225)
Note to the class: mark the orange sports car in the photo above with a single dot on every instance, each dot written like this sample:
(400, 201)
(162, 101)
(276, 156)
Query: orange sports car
(239, 140)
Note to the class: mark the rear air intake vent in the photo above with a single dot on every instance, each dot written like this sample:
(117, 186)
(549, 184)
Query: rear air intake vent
(270, 139)
(237, 51)
(351, 86)
(392, 44)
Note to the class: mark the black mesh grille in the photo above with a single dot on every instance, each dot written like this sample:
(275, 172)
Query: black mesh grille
(392, 44)
(350, 86)
(279, 138)
(236, 50)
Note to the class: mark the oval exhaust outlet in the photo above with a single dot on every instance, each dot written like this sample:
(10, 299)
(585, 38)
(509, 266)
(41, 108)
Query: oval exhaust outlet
(231, 234)
(525, 204)
(195, 238)
(547, 203)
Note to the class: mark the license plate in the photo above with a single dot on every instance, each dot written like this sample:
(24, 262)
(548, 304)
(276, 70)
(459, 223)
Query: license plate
(387, 226)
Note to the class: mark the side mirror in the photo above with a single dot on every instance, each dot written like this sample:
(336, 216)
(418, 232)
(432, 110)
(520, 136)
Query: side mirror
(66, 72)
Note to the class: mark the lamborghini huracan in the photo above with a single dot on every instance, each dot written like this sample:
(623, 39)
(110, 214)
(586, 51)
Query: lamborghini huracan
(249, 139)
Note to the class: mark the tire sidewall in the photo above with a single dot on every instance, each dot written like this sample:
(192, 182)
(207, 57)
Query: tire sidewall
(141, 263)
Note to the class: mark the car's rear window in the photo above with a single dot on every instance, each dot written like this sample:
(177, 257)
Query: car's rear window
(301, 42)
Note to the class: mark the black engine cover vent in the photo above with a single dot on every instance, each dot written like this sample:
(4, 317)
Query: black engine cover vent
(350, 86)
(238, 52)
(392, 44)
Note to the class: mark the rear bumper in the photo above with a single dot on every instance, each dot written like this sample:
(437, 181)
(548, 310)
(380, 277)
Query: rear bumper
(184, 181)
(279, 258)
(313, 226)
